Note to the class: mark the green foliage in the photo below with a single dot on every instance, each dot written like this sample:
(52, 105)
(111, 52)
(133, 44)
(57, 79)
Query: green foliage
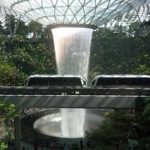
(142, 125)
(22, 55)
(28, 49)
(120, 128)
(7, 113)
(3, 146)
(36, 30)
(11, 25)
(9, 75)
(120, 51)
(143, 62)
(2, 30)
(9, 110)
(113, 133)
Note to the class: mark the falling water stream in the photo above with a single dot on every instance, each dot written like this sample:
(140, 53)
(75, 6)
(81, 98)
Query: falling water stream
(72, 50)
(73, 122)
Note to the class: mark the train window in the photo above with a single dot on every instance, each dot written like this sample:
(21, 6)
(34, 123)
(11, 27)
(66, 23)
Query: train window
(41, 80)
(121, 80)
(37, 81)
(107, 81)
(61, 81)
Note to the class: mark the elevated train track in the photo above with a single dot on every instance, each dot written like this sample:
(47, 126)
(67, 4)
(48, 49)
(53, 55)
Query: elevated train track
(25, 97)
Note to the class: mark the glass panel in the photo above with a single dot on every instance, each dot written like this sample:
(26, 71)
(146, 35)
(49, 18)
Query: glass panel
(49, 11)
(77, 10)
(90, 4)
(77, 3)
(147, 81)
(62, 10)
(59, 19)
(64, 82)
(89, 11)
(23, 6)
(62, 3)
(38, 12)
(50, 19)
(69, 12)
(47, 3)
(35, 3)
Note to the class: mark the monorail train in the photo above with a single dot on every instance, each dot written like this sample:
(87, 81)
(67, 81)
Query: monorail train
(121, 81)
(55, 81)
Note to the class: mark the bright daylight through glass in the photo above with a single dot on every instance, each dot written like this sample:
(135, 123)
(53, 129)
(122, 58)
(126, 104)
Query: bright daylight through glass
(93, 12)
(68, 108)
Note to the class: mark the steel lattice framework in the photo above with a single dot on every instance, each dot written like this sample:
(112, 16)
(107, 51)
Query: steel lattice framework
(87, 12)
(3, 12)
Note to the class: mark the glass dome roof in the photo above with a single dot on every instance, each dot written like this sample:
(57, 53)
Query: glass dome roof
(87, 12)
(4, 11)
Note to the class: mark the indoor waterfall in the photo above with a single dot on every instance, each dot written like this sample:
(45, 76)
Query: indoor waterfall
(72, 122)
(72, 50)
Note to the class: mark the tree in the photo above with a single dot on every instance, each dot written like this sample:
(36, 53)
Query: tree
(35, 30)
(7, 113)
(22, 54)
(114, 132)
(121, 50)
(9, 75)
(2, 30)
(142, 116)
(11, 24)
(121, 129)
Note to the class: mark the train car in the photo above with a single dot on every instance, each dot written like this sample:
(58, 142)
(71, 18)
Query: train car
(130, 81)
(55, 81)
